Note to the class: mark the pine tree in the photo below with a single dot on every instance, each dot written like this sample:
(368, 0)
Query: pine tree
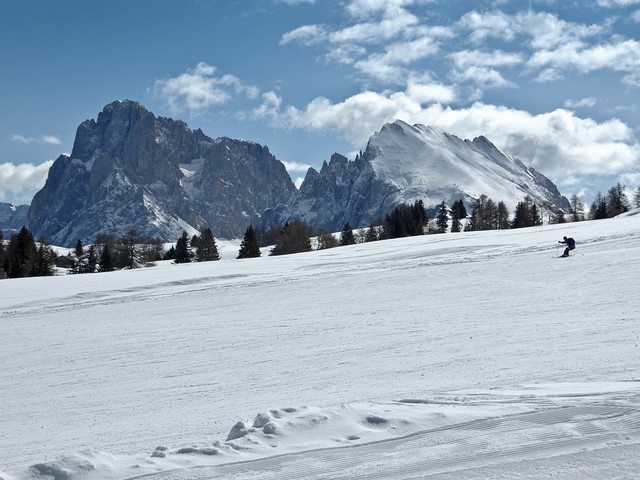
(327, 240)
(294, 238)
(183, 254)
(346, 235)
(502, 217)
(371, 234)
(106, 260)
(458, 210)
(636, 197)
(617, 201)
(3, 255)
(21, 254)
(599, 209)
(171, 253)
(442, 220)
(206, 248)
(44, 264)
(535, 219)
(457, 214)
(79, 249)
(521, 215)
(249, 247)
(92, 260)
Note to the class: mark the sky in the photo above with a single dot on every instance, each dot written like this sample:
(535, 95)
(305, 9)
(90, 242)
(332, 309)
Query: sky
(555, 83)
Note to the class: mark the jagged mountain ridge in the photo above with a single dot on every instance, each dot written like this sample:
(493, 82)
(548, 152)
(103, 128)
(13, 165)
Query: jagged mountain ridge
(133, 169)
(404, 163)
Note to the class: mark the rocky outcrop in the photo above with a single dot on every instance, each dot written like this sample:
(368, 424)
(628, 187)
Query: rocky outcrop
(130, 168)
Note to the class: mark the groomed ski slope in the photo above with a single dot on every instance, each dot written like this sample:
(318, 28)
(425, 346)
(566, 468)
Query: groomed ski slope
(472, 355)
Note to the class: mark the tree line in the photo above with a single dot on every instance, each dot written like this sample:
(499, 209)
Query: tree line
(23, 256)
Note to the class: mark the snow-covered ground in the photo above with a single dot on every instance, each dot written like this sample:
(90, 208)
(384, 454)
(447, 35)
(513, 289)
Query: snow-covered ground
(471, 355)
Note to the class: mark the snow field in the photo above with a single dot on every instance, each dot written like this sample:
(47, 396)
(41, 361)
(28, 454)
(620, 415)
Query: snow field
(474, 352)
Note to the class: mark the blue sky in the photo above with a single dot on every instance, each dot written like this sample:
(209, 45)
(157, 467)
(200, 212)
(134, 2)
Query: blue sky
(555, 83)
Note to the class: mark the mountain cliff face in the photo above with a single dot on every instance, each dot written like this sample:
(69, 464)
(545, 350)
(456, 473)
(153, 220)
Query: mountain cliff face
(132, 169)
(404, 163)
(12, 218)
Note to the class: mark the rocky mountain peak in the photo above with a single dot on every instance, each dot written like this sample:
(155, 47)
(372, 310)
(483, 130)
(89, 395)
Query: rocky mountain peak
(130, 168)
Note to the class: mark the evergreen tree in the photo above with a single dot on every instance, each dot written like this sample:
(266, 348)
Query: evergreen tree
(371, 234)
(457, 214)
(44, 264)
(502, 216)
(526, 214)
(21, 254)
(458, 210)
(106, 260)
(183, 254)
(294, 238)
(92, 260)
(456, 226)
(79, 249)
(535, 219)
(599, 209)
(206, 248)
(577, 208)
(636, 197)
(327, 240)
(3, 255)
(617, 201)
(420, 218)
(481, 214)
(171, 253)
(249, 247)
(442, 219)
(405, 220)
(346, 235)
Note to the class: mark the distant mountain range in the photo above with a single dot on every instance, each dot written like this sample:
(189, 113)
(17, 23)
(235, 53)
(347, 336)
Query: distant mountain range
(130, 168)
(12, 218)
(404, 163)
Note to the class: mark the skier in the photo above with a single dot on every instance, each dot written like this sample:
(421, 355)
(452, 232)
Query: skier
(571, 244)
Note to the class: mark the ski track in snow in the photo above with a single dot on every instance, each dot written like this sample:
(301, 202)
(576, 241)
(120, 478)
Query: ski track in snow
(471, 355)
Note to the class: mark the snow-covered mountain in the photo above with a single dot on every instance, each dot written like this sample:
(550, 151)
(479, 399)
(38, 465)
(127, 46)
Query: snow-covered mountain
(12, 218)
(404, 163)
(133, 169)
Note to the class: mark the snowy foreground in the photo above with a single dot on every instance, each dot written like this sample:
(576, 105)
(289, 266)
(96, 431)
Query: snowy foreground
(458, 356)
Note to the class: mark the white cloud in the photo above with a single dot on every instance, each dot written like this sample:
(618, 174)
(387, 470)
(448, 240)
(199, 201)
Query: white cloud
(635, 16)
(485, 77)
(198, 89)
(477, 58)
(549, 75)
(618, 55)
(20, 182)
(584, 102)
(306, 35)
(42, 139)
(296, 167)
(558, 143)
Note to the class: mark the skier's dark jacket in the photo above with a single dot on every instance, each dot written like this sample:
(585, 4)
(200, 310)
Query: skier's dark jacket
(571, 243)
